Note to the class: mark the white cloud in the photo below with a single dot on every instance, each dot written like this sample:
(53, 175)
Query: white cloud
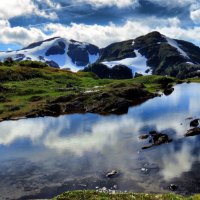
(15, 8)
(98, 34)
(101, 3)
(4, 23)
(104, 35)
(174, 21)
(19, 35)
(195, 16)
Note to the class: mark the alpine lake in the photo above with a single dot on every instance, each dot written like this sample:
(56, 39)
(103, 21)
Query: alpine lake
(43, 157)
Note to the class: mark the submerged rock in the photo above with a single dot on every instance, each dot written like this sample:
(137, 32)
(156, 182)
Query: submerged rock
(193, 132)
(143, 137)
(194, 123)
(189, 118)
(157, 139)
(173, 187)
(144, 170)
(111, 174)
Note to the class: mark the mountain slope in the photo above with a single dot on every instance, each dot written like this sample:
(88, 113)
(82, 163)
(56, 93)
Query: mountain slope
(57, 52)
(154, 53)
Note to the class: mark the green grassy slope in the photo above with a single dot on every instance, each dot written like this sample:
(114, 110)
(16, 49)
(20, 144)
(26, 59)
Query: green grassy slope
(26, 85)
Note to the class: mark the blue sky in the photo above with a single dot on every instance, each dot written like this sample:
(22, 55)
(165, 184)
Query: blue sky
(100, 22)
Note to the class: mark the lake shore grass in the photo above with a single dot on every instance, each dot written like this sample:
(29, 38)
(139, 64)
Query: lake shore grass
(29, 86)
(94, 195)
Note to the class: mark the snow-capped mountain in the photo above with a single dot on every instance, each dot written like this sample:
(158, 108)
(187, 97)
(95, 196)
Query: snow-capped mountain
(57, 52)
(153, 53)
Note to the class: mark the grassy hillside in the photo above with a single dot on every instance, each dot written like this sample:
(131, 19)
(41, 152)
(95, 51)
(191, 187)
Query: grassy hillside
(92, 195)
(28, 85)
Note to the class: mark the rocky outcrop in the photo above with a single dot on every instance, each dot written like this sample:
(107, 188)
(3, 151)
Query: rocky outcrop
(121, 72)
(57, 49)
(110, 101)
(79, 53)
(52, 64)
(117, 72)
(101, 70)
(168, 91)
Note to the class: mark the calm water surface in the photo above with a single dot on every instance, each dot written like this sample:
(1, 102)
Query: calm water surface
(43, 157)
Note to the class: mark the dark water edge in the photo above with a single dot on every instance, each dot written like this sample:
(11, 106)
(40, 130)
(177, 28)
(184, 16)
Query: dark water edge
(43, 157)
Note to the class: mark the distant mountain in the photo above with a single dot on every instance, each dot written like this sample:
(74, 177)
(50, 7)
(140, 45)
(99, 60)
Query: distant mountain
(153, 53)
(57, 52)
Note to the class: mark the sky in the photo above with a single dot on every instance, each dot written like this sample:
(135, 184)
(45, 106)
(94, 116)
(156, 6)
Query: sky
(100, 22)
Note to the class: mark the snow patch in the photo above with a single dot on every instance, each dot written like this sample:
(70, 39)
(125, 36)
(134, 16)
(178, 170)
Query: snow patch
(176, 45)
(137, 64)
(190, 63)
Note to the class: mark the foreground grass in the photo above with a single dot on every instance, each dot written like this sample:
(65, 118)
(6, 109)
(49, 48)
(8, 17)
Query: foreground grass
(93, 195)
(30, 85)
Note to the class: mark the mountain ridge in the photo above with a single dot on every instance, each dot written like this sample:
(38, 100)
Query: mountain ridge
(152, 53)
(57, 52)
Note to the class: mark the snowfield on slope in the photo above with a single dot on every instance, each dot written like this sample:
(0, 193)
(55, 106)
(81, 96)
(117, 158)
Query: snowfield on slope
(175, 44)
(38, 53)
(137, 64)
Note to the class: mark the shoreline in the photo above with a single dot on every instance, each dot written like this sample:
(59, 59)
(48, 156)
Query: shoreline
(103, 103)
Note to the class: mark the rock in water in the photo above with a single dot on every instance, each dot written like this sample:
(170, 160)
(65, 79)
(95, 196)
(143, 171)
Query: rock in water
(143, 137)
(157, 139)
(194, 123)
(193, 132)
(111, 174)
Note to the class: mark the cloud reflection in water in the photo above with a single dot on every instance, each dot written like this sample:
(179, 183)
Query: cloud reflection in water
(115, 137)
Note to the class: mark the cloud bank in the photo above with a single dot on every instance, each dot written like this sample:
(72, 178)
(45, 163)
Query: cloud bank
(81, 20)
